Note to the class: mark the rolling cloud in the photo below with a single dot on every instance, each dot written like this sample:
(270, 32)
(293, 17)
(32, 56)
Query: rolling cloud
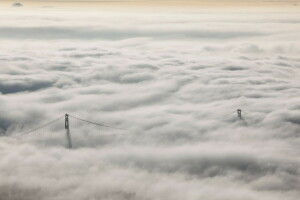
(174, 82)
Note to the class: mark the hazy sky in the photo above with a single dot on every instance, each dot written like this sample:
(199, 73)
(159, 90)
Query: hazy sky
(171, 2)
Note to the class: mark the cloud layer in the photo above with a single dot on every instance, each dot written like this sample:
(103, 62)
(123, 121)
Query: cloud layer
(173, 81)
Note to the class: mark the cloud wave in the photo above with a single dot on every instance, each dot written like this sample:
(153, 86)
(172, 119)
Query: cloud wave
(174, 82)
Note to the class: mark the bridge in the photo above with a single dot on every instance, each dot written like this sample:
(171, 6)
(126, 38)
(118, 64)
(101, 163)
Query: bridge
(57, 123)
(44, 128)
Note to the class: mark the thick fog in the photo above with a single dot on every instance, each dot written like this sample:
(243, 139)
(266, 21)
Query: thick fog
(173, 82)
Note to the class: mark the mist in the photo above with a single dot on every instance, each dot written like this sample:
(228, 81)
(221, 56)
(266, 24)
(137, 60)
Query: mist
(173, 81)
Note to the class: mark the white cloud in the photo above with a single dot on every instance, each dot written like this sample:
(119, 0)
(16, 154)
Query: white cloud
(174, 81)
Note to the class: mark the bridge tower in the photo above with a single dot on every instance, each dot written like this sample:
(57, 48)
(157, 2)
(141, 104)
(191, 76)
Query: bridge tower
(239, 113)
(68, 134)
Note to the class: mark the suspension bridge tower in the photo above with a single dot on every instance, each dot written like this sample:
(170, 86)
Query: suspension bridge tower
(68, 134)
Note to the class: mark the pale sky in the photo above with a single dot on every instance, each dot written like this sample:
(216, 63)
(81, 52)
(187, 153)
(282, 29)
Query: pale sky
(174, 2)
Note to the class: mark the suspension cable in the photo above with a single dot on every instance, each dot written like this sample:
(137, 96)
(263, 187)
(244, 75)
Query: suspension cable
(38, 128)
(97, 124)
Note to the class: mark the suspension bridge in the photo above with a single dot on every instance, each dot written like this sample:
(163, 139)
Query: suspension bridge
(57, 124)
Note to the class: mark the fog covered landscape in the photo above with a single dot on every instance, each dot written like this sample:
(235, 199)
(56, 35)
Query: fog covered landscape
(172, 80)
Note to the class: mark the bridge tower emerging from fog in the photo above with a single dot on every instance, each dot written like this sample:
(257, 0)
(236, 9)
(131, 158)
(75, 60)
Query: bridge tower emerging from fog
(239, 113)
(68, 134)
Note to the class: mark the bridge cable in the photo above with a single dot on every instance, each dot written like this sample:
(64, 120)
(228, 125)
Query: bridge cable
(97, 124)
(39, 127)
